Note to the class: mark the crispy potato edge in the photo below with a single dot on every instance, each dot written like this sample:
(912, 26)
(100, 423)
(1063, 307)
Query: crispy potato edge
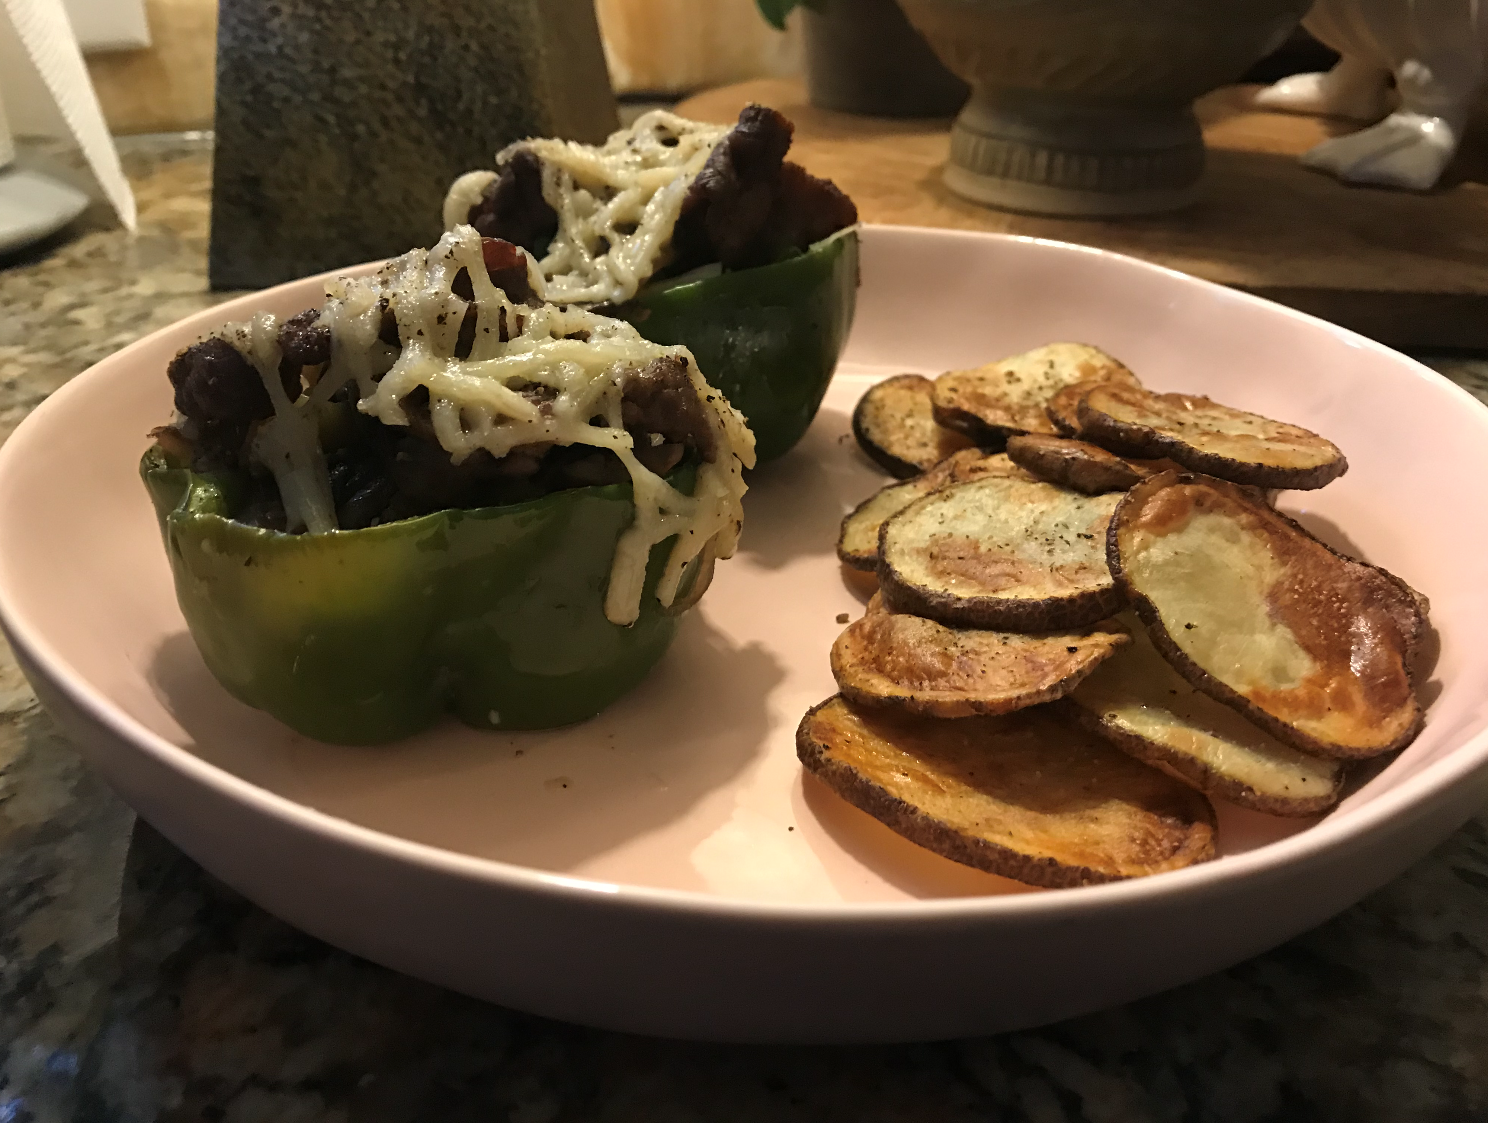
(909, 701)
(992, 438)
(913, 825)
(929, 834)
(899, 469)
(868, 563)
(1072, 463)
(1196, 774)
(1129, 439)
(1168, 648)
(1051, 614)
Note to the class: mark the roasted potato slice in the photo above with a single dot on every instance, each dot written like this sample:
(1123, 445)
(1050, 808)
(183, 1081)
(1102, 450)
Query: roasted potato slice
(857, 544)
(996, 401)
(1077, 464)
(1204, 436)
(1142, 705)
(974, 464)
(893, 659)
(1063, 409)
(1314, 647)
(1029, 795)
(894, 426)
(1007, 554)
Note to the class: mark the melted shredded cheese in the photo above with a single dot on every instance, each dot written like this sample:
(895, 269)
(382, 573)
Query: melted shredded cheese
(288, 443)
(616, 203)
(476, 402)
(463, 194)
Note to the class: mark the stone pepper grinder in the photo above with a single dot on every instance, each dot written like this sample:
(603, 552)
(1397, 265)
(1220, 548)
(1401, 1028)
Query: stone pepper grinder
(340, 127)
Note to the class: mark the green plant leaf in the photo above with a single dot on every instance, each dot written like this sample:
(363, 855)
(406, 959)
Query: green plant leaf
(775, 11)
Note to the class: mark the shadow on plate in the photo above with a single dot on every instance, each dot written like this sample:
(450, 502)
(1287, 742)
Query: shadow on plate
(859, 583)
(795, 505)
(548, 799)
(1328, 532)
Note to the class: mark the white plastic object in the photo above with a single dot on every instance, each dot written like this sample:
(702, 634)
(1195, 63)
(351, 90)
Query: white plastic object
(1435, 54)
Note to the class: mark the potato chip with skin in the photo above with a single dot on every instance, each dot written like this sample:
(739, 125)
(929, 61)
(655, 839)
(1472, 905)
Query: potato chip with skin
(1011, 396)
(1316, 648)
(1139, 703)
(1071, 463)
(1063, 409)
(1000, 553)
(1028, 795)
(894, 426)
(918, 666)
(1204, 436)
(857, 542)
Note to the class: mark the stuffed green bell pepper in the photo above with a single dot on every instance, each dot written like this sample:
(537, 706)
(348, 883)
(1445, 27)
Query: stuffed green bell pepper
(699, 235)
(438, 494)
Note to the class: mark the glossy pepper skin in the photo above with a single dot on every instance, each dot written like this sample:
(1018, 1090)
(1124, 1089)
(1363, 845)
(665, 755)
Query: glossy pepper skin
(366, 636)
(768, 337)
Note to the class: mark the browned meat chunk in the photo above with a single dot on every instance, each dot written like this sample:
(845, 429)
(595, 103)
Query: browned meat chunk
(506, 265)
(808, 209)
(728, 204)
(727, 208)
(215, 383)
(304, 342)
(513, 207)
(541, 396)
(748, 205)
(660, 398)
(381, 474)
(220, 392)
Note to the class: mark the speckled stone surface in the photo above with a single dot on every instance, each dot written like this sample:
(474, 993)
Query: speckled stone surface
(337, 136)
(133, 987)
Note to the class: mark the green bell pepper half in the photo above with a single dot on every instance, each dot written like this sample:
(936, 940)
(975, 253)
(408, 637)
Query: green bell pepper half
(366, 636)
(768, 337)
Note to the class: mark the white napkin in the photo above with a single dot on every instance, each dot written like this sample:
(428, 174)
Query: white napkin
(40, 33)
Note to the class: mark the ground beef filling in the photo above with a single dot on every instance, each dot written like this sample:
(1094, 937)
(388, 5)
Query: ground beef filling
(513, 208)
(748, 205)
(381, 473)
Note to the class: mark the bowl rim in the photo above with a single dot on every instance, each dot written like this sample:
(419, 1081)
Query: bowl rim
(1331, 834)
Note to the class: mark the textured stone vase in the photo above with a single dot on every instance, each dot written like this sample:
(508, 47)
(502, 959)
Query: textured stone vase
(340, 127)
(1084, 107)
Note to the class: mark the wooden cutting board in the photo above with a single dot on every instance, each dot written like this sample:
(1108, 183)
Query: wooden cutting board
(1408, 269)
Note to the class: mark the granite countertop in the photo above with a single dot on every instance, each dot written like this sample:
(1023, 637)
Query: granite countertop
(134, 987)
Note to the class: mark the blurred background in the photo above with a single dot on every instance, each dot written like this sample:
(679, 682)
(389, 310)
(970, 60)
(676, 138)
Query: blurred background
(153, 61)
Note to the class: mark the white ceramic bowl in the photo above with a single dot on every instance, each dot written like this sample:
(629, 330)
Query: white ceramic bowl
(665, 868)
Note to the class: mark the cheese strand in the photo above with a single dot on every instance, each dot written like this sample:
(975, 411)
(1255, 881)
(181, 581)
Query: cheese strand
(477, 403)
(616, 203)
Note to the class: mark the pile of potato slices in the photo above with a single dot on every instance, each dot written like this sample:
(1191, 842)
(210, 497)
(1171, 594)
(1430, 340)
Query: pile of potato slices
(1091, 620)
